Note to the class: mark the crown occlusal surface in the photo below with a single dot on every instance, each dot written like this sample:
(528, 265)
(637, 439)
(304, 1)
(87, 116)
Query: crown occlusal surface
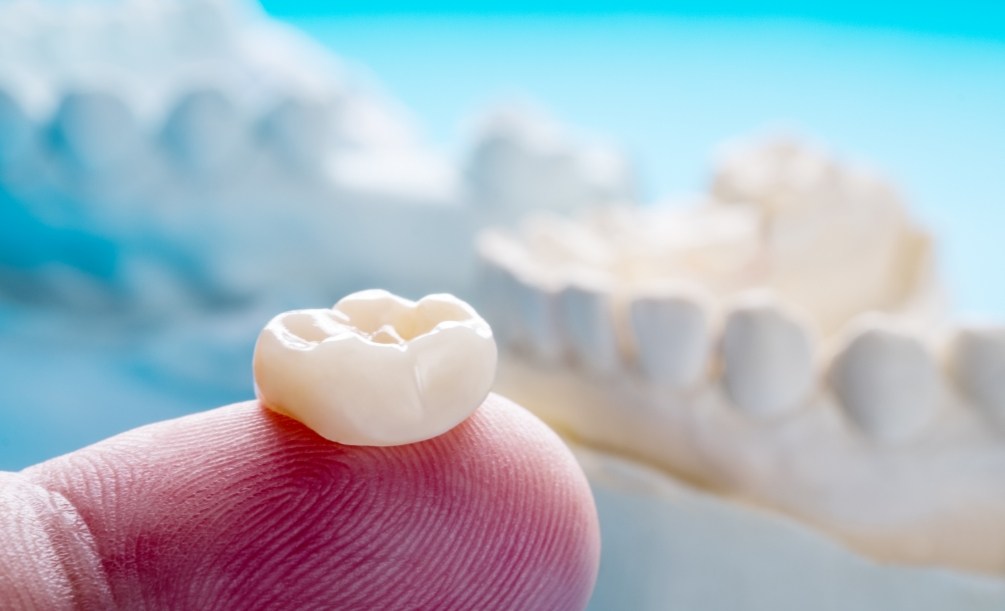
(376, 369)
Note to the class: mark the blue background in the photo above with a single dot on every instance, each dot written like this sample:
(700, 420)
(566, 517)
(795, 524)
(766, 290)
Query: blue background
(964, 18)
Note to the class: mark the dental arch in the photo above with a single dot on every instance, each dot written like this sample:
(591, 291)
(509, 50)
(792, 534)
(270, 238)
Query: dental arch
(731, 371)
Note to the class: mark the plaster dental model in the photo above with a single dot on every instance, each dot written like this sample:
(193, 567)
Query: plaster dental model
(780, 345)
(419, 368)
(204, 150)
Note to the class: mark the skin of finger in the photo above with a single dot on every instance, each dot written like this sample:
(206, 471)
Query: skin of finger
(241, 507)
(47, 556)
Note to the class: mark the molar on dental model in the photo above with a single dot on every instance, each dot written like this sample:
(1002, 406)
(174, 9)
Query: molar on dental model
(204, 130)
(298, 130)
(377, 369)
(671, 328)
(887, 381)
(522, 160)
(780, 174)
(977, 363)
(97, 130)
(768, 358)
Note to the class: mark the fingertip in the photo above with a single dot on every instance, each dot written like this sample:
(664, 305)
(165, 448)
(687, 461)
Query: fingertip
(243, 504)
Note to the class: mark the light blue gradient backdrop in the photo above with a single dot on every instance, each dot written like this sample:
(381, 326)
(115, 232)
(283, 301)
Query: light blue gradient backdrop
(968, 18)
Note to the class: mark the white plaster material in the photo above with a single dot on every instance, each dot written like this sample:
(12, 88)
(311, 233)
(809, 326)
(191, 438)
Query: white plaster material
(671, 332)
(858, 238)
(821, 217)
(523, 161)
(768, 358)
(779, 174)
(977, 363)
(376, 369)
(875, 455)
(671, 546)
(887, 381)
(300, 131)
(929, 500)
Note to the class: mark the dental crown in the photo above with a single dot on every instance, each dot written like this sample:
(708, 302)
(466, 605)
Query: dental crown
(781, 341)
(376, 369)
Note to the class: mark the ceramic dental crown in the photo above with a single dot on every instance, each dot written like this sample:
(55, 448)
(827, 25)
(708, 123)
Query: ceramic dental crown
(376, 369)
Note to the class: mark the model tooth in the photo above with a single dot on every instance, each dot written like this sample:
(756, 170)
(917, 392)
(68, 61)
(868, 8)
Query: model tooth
(16, 129)
(498, 254)
(204, 130)
(512, 150)
(522, 161)
(95, 130)
(887, 381)
(768, 359)
(377, 369)
(526, 302)
(977, 363)
(499, 288)
(588, 325)
(672, 335)
(537, 313)
(299, 131)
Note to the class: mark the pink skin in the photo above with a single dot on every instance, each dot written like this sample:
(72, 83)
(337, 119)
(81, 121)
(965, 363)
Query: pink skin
(241, 508)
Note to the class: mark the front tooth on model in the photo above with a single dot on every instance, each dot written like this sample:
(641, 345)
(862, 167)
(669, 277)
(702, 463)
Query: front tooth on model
(977, 362)
(96, 130)
(587, 322)
(204, 131)
(498, 289)
(536, 304)
(671, 331)
(767, 357)
(376, 369)
(498, 255)
(887, 382)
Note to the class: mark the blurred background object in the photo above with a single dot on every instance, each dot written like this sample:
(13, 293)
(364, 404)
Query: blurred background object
(172, 174)
(913, 89)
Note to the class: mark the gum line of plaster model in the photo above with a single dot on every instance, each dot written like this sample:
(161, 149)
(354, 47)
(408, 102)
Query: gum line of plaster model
(173, 155)
(753, 345)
